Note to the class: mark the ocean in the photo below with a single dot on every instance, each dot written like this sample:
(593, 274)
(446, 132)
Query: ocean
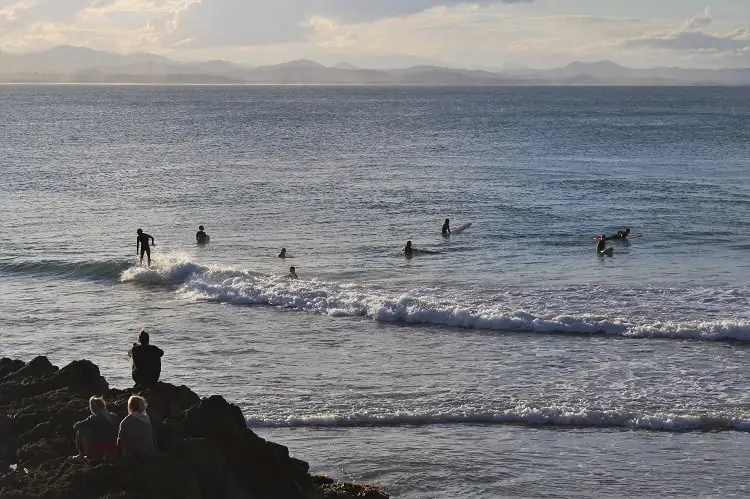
(513, 361)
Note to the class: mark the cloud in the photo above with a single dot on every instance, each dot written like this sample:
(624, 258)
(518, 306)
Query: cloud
(691, 38)
(262, 22)
(484, 33)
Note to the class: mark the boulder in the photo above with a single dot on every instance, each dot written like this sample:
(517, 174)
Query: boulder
(206, 449)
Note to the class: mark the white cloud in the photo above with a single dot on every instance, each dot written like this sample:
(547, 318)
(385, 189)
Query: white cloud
(690, 38)
(478, 34)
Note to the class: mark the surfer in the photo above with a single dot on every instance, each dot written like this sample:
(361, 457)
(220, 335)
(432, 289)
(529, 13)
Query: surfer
(282, 253)
(446, 228)
(292, 274)
(408, 251)
(142, 241)
(201, 238)
(602, 244)
(621, 234)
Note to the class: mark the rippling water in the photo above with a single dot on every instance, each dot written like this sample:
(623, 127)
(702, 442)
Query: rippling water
(513, 362)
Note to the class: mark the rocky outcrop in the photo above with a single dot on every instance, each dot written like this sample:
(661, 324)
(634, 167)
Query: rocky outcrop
(206, 450)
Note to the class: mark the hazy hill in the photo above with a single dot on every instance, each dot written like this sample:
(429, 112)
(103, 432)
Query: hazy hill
(77, 64)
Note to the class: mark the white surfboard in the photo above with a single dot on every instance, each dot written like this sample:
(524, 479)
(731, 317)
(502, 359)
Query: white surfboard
(461, 228)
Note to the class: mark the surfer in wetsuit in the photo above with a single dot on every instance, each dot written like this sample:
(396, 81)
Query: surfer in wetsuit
(201, 238)
(282, 253)
(602, 244)
(408, 251)
(622, 234)
(446, 228)
(142, 241)
(292, 274)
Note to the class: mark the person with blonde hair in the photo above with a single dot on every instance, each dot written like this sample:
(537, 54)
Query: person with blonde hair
(96, 436)
(136, 434)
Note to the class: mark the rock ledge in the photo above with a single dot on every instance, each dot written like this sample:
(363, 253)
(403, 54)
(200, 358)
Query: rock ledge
(207, 451)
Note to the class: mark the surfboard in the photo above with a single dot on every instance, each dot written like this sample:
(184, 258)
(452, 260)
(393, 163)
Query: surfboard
(607, 251)
(461, 228)
(618, 238)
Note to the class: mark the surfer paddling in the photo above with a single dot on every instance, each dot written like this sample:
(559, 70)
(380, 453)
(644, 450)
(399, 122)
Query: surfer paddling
(410, 251)
(446, 230)
(621, 234)
(145, 248)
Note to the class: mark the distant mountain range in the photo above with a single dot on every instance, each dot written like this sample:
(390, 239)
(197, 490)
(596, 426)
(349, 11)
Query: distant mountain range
(66, 64)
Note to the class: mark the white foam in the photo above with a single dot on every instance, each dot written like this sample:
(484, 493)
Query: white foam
(509, 312)
(522, 415)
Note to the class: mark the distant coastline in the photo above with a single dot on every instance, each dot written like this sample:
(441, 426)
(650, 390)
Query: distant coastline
(77, 65)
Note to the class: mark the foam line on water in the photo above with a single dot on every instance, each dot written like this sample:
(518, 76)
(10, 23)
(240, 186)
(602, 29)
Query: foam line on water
(578, 417)
(436, 306)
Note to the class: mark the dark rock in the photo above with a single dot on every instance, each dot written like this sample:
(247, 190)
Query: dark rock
(9, 443)
(8, 366)
(206, 449)
(331, 489)
(37, 368)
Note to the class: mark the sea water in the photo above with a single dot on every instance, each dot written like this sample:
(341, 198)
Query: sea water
(512, 362)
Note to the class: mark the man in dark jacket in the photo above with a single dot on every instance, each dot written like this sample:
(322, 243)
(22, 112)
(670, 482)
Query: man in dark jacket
(146, 362)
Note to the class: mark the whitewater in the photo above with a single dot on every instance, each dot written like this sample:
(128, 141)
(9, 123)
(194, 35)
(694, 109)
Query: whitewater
(511, 361)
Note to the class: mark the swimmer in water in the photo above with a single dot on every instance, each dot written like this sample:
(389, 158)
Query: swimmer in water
(408, 251)
(446, 228)
(142, 241)
(292, 274)
(282, 253)
(602, 244)
(201, 237)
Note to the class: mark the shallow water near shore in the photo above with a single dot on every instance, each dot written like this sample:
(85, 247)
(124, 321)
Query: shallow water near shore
(515, 362)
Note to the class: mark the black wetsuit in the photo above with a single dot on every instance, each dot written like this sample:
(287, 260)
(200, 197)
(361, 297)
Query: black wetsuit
(146, 364)
(143, 241)
(201, 237)
(446, 229)
(408, 251)
(601, 246)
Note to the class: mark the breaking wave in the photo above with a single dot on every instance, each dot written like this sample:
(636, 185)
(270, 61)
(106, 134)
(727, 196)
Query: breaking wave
(559, 416)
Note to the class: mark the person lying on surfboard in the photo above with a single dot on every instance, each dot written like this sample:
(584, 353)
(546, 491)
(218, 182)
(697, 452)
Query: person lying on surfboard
(409, 251)
(621, 234)
(446, 228)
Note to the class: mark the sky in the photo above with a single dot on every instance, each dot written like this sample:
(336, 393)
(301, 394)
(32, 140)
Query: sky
(489, 34)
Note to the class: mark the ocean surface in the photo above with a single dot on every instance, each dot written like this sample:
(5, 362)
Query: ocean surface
(512, 362)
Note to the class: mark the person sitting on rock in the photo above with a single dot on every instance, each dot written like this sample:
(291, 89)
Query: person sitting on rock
(146, 362)
(96, 436)
(136, 435)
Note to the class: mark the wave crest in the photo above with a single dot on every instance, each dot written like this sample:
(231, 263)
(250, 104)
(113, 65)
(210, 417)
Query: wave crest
(521, 415)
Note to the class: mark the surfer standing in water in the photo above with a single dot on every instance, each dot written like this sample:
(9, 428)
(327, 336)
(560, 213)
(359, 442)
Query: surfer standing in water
(142, 241)
(446, 228)
(292, 274)
(602, 244)
(408, 252)
(201, 238)
(282, 253)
